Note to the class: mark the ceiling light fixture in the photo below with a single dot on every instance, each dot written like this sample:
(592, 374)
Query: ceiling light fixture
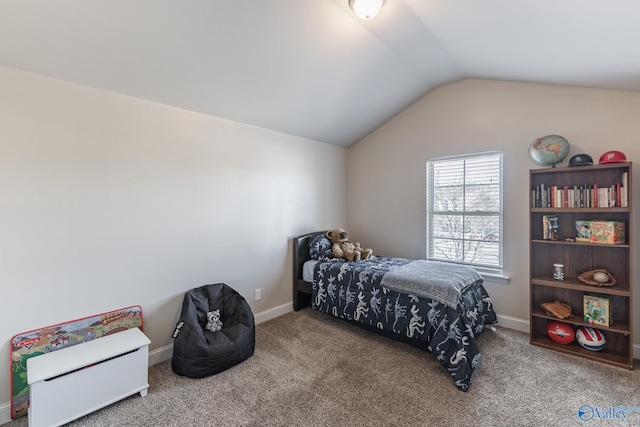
(366, 9)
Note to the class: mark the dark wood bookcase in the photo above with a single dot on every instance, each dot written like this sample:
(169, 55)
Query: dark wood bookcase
(579, 257)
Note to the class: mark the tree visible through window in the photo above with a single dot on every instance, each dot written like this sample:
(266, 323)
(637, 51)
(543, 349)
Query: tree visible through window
(464, 210)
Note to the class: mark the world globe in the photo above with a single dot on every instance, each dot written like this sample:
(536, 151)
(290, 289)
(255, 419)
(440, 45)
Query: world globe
(549, 150)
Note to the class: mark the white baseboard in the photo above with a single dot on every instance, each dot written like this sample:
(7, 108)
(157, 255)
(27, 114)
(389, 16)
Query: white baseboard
(164, 353)
(522, 325)
(161, 354)
(274, 312)
(5, 413)
(514, 323)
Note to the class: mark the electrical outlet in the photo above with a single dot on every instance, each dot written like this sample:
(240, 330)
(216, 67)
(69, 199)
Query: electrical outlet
(258, 294)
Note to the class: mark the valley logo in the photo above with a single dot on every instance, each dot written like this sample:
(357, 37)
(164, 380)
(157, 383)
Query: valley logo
(588, 412)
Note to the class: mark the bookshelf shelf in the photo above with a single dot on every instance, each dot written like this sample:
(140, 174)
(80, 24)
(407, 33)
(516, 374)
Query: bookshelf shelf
(623, 328)
(548, 221)
(580, 210)
(606, 356)
(563, 242)
(575, 285)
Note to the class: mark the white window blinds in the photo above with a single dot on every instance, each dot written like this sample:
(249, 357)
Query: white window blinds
(464, 210)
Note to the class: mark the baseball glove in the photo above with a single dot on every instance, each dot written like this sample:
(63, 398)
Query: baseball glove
(588, 279)
(557, 309)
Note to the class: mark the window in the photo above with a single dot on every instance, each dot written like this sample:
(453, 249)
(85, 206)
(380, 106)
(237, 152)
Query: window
(464, 210)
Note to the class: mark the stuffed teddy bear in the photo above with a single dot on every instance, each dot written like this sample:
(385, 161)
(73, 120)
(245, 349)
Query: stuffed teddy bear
(343, 248)
(213, 321)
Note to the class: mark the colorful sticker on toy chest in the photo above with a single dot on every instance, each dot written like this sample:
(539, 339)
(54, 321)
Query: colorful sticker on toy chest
(51, 338)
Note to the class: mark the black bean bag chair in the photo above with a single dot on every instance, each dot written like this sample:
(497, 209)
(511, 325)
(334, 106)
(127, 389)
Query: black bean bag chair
(198, 352)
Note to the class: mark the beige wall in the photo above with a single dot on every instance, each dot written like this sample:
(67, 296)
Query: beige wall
(109, 201)
(387, 169)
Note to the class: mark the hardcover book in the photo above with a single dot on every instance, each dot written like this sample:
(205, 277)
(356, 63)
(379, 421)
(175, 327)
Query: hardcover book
(597, 310)
(550, 227)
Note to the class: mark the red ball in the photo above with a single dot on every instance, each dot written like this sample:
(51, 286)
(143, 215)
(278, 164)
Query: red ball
(561, 332)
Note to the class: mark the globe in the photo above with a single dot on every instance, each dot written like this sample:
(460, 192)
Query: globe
(549, 150)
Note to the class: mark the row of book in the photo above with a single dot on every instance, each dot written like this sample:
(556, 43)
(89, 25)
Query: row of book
(586, 196)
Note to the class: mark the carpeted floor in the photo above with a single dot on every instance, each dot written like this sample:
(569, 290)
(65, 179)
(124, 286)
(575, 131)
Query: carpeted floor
(312, 370)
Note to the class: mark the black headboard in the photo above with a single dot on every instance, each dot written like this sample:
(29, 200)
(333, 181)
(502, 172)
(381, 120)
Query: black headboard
(300, 256)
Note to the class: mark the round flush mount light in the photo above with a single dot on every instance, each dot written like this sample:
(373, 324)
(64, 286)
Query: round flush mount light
(366, 9)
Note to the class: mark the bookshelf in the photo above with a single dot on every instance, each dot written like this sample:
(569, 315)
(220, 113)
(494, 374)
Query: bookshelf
(559, 198)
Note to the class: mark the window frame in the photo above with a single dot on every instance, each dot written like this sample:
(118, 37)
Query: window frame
(494, 272)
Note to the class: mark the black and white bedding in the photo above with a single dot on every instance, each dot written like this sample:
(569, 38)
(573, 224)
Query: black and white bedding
(439, 307)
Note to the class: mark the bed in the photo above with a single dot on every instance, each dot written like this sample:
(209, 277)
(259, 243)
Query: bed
(391, 297)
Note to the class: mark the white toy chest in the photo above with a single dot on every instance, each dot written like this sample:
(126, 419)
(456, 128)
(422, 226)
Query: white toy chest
(69, 383)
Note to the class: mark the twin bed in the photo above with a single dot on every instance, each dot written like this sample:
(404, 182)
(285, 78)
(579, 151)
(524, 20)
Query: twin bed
(438, 307)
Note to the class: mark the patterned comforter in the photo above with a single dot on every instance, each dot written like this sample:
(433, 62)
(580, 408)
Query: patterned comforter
(353, 291)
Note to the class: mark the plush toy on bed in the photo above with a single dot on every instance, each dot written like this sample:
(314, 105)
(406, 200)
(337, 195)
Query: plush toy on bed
(343, 248)
(213, 321)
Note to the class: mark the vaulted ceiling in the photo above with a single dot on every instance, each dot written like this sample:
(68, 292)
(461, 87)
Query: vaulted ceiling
(310, 67)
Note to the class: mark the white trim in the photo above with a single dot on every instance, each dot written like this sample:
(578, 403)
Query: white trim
(522, 325)
(454, 169)
(495, 278)
(164, 353)
(161, 354)
(5, 413)
(514, 323)
(274, 312)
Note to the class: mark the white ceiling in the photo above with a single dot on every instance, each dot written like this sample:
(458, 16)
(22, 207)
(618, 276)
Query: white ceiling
(310, 67)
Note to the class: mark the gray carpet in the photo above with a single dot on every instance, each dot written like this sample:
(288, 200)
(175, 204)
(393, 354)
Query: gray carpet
(312, 370)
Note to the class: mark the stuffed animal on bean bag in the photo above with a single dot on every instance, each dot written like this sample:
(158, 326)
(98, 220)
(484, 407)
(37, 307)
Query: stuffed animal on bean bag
(343, 248)
(214, 323)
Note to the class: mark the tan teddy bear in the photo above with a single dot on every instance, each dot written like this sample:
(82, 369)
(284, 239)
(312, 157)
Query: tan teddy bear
(343, 248)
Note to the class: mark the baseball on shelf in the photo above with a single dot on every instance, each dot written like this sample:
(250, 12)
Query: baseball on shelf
(601, 277)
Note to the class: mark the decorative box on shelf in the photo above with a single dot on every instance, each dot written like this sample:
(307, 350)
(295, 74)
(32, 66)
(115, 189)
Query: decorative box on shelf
(600, 231)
